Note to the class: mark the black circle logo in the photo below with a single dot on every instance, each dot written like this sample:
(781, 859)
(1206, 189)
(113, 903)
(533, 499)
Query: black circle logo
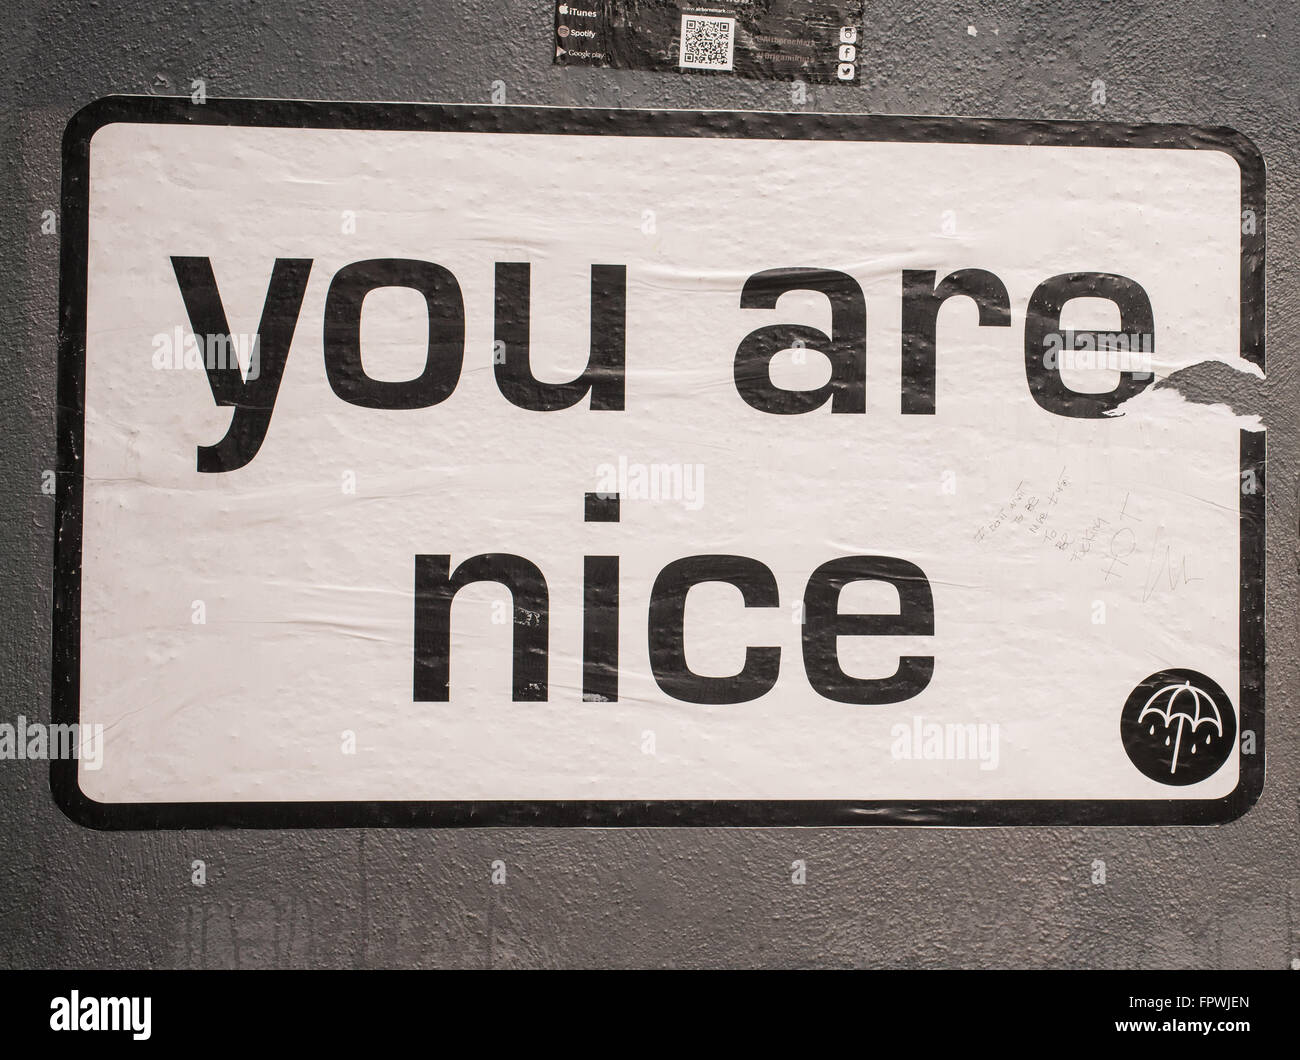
(1178, 727)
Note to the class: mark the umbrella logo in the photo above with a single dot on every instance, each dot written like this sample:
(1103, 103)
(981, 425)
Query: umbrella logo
(1178, 727)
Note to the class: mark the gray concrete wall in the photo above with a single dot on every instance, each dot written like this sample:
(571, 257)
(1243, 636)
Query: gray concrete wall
(1226, 896)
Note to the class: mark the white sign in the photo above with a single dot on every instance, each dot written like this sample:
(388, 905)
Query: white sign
(470, 465)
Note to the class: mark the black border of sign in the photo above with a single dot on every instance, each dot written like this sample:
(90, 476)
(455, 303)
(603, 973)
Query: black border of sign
(562, 121)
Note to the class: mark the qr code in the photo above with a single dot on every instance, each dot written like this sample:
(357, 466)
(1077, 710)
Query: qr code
(708, 43)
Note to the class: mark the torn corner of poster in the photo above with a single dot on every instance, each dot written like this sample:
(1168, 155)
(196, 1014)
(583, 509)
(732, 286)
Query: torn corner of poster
(775, 40)
(1226, 389)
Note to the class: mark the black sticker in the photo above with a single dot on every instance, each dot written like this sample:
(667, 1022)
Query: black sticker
(784, 40)
(1178, 727)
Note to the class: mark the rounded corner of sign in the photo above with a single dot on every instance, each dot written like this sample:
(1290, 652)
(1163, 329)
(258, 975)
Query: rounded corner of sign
(1239, 147)
(87, 122)
(1241, 800)
(77, 806)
